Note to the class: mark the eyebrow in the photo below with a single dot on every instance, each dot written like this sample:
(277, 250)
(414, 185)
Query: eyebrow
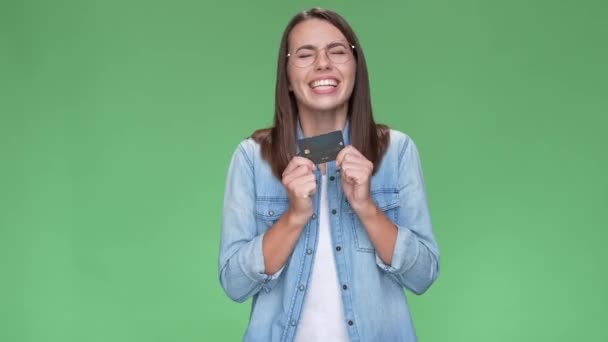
(312, 47)
(307, 46)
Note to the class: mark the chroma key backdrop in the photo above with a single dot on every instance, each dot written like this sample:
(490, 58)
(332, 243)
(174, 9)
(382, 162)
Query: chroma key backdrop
(118, 120)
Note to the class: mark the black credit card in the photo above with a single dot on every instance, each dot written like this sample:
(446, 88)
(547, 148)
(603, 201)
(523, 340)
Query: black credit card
(322, 148)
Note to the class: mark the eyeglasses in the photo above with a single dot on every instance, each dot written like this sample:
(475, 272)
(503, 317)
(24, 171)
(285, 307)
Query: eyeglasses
(337, 52)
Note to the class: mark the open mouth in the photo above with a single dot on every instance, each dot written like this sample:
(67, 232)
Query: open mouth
(324, 83)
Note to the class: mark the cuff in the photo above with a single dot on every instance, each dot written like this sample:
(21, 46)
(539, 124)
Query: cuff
(405, 252)
(254, 265)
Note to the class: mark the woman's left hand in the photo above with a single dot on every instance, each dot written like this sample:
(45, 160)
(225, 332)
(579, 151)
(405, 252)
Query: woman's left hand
(356, 172)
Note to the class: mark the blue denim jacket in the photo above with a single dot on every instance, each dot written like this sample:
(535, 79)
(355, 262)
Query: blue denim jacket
(375, 306)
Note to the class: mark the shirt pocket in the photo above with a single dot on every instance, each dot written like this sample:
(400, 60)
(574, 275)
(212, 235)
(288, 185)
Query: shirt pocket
(387, 200)
(268, 211)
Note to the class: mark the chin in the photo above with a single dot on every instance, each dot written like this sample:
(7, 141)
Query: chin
(326, 105)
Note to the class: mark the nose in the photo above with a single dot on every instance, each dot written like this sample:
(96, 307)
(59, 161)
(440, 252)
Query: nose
(322, 60)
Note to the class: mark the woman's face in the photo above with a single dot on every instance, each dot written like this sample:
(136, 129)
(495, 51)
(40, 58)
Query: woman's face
(324, 85)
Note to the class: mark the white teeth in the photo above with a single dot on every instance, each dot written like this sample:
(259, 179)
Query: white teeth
(320, 83)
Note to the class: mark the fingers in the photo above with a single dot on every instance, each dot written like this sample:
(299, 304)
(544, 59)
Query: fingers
(358, 164)
(299, 177)
(297, 167)
(341, 155)
(355, 176)
(351, 154)
(355, 168)
(298, 161)
(301, 170)
(351, 158)
(303, 187)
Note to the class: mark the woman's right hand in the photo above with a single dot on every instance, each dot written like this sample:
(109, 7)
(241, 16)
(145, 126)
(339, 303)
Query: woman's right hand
(300, 181)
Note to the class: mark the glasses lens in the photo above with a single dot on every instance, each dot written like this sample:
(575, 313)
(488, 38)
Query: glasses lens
(337, 52)
(304, 57)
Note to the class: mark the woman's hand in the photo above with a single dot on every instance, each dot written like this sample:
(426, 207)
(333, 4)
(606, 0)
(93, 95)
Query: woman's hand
(356, 172)
(300, 181)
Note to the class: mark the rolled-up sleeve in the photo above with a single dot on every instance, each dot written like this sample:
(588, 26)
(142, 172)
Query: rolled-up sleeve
(241, 260)
(415, 260)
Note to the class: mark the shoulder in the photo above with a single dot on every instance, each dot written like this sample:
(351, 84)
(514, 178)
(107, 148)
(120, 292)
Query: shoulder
(249, 146)
(253, 143)
(399, 142)
(398, 137)
(247, 151)
(247, 160)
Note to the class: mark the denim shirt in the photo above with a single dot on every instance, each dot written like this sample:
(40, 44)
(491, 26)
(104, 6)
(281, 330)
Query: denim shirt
(375, 305)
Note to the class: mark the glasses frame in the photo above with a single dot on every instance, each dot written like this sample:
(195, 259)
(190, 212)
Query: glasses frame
(318, 51)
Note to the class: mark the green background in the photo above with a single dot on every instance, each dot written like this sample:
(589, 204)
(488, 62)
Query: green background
(118, 120)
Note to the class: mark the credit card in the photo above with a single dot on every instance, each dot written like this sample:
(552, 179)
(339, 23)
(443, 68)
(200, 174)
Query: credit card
(321, 148)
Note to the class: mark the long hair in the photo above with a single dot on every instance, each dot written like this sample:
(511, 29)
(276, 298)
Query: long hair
(278, 143)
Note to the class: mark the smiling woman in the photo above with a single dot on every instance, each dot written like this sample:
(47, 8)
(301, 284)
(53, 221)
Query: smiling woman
(325, 86)
(326, 250)
(337, 52)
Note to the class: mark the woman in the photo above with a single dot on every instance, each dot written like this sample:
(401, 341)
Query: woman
(326, 250)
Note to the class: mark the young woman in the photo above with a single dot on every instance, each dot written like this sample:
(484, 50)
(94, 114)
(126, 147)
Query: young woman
(326, 250)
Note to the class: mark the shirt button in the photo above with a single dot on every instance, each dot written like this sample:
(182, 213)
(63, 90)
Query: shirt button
(314, 216)
(309, 251)
(338, 248)
(331, 178)
(349, 322)
(301, 287)
(344, 286)
(270, 212)
(334, 211)
(293, 323)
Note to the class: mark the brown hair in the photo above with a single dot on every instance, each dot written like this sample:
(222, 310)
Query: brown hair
(278, 143)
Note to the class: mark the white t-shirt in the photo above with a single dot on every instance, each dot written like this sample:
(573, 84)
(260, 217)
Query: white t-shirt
(323, 315)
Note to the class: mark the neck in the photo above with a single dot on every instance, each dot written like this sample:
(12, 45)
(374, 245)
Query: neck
(320, 122)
